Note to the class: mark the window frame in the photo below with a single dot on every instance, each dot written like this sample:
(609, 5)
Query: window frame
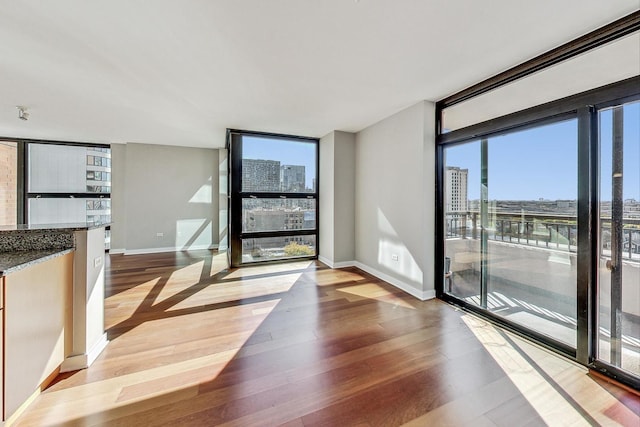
(236, 196)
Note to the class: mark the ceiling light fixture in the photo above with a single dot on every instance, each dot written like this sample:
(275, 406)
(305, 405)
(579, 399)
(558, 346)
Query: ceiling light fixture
(22, 113)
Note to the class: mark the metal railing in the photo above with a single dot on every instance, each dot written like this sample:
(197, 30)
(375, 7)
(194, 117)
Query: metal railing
(541, 230)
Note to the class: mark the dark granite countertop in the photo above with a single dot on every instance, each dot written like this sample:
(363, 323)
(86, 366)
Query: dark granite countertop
(76, 226)
(14, 261)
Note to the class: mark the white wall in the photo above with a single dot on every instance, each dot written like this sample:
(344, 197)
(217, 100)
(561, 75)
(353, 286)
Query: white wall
(164, 198)
(394, 199)
(344, 193)
(337, 199)
(326, 226)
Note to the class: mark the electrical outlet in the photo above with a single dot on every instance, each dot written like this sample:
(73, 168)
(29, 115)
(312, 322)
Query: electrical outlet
(394, 257)
(97, 262)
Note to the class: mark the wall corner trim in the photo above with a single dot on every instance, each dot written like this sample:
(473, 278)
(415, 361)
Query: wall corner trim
(340, 264)
(82, 361)
(421, 295)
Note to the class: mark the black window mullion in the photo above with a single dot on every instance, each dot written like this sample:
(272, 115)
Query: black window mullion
(277, 195)
(587, 233)
(235, 216)
(21, 200)
(278, 233)
(35, 195)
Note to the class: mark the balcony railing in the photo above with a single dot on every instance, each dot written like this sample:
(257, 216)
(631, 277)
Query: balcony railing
(540, 230)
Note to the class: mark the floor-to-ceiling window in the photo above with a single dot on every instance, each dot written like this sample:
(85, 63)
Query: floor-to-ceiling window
(48, 182)
(274, 197)
(539, 180)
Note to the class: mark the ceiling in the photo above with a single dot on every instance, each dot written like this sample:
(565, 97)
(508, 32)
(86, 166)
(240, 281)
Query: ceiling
(181, 72)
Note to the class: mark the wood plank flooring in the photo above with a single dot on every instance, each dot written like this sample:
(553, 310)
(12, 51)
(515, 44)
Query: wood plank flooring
(193, 343)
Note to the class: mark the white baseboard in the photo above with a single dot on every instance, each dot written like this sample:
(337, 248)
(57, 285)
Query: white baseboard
(165, 249)
(421, 295)
(331, 264)
(344, 264)
(117, 251)
(82, 361)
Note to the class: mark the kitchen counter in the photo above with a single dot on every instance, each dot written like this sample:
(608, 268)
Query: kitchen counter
(52, 288)
(74, 226)
(27, 237)
(15, 261)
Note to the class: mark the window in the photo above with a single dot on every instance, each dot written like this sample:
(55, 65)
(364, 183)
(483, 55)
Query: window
(274, 212)
(68, 184)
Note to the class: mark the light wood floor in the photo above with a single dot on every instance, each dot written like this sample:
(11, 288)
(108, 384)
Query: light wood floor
(192, 343)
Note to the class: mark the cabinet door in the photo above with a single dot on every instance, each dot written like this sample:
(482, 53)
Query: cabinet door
(1, 348)
(2, 363)
(34, 315)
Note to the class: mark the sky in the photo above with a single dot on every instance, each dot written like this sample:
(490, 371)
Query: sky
(542, 162)
(287, 152)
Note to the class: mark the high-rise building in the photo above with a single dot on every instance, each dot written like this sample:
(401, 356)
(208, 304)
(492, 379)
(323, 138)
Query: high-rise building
(456, 198)
(8, 183)
(292, 178)
(260, 175)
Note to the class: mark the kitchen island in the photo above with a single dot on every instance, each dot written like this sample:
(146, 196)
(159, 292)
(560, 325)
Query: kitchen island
(51, 306)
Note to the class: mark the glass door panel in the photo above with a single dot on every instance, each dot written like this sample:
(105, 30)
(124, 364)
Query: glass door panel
(531, 229)
(462, 221)
(618, 340)
(511, 227)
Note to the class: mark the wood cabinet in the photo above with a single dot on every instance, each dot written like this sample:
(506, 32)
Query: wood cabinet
(2, 348)
(37, 323)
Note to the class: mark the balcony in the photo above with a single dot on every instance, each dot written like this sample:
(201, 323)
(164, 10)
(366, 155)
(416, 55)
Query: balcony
(530, 271)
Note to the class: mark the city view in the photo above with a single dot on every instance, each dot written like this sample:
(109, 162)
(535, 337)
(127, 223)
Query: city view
(287, 177)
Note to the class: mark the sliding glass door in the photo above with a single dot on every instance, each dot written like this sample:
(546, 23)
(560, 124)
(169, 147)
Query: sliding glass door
(540, 226)
(511, 226)
(274, 197)
(618, 340)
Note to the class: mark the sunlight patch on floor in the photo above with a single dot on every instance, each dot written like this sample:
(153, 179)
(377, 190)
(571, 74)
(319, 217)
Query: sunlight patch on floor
(120, 305)
(220, 293)
(374, 291)
(219, 264)
(108, 398)
(532, 379)
(259, 270)
(180, 280)
(331, 277)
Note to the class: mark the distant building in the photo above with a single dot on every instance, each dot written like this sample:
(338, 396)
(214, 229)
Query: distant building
(456, 196)
(260, 175)
(8, 183)
(292, 178)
